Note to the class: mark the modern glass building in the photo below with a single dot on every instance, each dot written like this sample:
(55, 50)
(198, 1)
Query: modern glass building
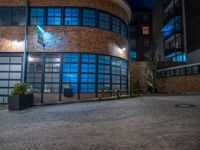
(53, 45)
(174, 33)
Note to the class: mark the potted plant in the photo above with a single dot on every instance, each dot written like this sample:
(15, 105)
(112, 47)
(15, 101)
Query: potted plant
(20, 98)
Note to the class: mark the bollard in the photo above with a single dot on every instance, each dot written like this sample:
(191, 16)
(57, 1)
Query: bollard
(100, 95)
(118, 94)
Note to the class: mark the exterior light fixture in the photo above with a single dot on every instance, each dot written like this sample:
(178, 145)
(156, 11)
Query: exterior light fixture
(123, 49)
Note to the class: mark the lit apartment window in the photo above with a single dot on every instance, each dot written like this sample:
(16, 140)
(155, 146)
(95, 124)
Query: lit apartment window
(145, 30)
(89, 17)
(54, 16)
(71, 16)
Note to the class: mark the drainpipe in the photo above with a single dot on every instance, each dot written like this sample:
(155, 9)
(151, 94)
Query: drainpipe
(25, 42)
(184, 28)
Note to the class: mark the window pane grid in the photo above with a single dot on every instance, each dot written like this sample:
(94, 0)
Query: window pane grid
(89, 17)
(37, 16)
(72, 16)
(54, 16)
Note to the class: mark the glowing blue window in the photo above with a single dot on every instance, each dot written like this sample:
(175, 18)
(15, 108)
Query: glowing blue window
(115, 25)
(124, 31)
(70, 68)
(123, 67)
(89, 17)
(88, 58)
(37, 16)
(71, 57)
(70, 77)
(103, 78)
(103, 69)
(116, 61)
(71, 16)
(115, 79)
(88, 78)
(74, 87)
(104, 21)
(104, 59)
(88, 68)
(54, 16)
(87, 88)
(133, 56)
(104, 86)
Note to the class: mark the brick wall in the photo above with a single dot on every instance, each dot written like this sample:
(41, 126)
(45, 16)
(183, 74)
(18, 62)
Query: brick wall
(11, 39)
(79, 39)
(137, 72)
(180, 84)
(66, 39)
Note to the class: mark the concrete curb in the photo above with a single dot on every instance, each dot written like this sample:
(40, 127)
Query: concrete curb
(85, 101)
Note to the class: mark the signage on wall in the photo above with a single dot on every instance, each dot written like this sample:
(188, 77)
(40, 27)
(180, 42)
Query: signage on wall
(41, 32)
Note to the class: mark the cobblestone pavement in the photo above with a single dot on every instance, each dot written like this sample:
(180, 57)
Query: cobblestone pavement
(144, 123)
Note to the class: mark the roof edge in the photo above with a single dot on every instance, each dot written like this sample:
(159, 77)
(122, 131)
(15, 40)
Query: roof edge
(126, 7)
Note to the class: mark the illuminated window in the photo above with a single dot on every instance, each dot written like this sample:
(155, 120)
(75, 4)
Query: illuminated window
(104, 20)
(145, 30)
(71, 16)
(54, 16)
(89, 17)
(115, 25)
(37, 16)
(124, 31)
(133, 56)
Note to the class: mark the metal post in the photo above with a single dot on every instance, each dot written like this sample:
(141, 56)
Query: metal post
(25, 43)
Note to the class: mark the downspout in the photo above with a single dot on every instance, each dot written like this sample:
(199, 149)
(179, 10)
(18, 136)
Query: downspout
(25, 42)
(184, 28)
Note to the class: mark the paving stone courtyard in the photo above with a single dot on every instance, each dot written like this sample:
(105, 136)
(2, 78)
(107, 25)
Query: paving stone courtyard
(143, 123)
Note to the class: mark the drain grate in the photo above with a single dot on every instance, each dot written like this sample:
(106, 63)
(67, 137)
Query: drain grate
(185, 105)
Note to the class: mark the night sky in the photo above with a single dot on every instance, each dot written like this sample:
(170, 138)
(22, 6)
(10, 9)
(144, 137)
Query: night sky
(142, 3)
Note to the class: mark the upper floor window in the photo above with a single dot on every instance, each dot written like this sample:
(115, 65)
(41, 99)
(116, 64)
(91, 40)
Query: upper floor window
(5, 16)
(133, 55)
(12, 16)
(124, 31)
(146, 18)
(54, 16)
(146, 43)
(145, 30)
(89, 17)
(133, 43)
(37, 16)
(104, 21)
(115, 25)
(72, 16)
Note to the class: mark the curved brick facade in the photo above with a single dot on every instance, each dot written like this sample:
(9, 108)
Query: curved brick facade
(67, 39)
(106, 5)
(85, 57)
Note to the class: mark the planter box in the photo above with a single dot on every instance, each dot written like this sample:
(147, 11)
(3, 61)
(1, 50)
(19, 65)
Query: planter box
(19, 102)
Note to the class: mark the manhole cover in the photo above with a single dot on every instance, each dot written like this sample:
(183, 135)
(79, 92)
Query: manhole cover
(185, 105)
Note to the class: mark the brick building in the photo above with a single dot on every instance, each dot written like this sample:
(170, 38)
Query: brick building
(140, 33)
(53, 45)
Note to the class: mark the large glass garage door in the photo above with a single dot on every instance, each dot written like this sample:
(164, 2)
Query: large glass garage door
(10, 74)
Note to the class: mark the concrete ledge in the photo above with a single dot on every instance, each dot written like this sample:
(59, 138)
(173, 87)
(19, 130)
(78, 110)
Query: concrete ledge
(85, 101)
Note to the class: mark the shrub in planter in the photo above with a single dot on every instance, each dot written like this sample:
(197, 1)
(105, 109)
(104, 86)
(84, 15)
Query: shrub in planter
(20, 98)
